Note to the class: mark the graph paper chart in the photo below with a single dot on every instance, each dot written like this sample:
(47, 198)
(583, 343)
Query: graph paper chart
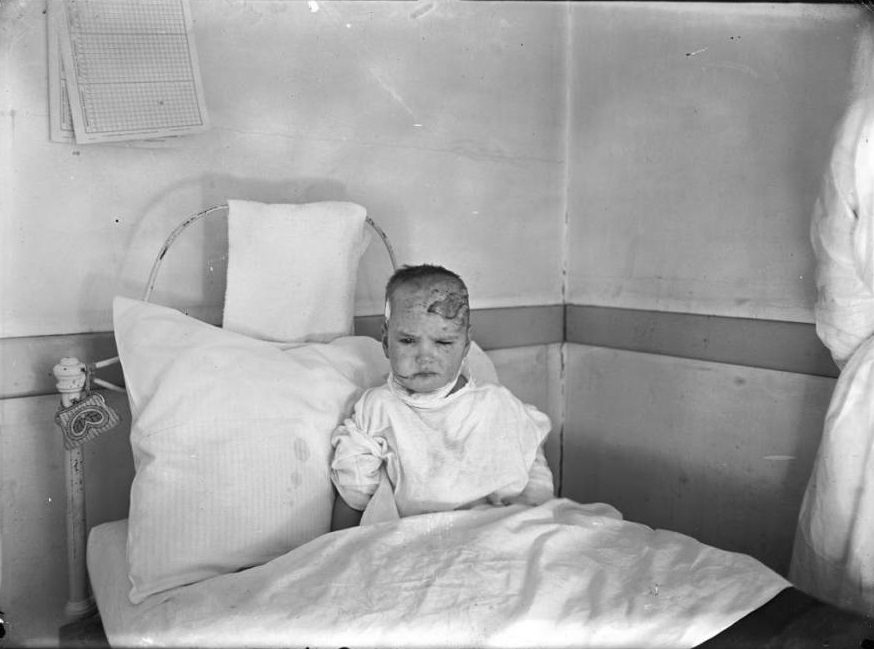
(130, 69)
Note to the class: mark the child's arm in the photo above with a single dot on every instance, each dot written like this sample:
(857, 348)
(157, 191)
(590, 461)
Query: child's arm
(343, 515)
(540, 487)
(355, 469)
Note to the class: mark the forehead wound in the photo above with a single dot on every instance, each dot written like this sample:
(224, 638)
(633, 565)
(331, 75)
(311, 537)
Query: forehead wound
(451, 304)
(445, 300)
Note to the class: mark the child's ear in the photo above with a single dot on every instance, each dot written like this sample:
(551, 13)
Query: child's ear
(385, 337)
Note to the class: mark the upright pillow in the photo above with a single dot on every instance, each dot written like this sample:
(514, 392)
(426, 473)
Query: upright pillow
(231, 442)
(292, 269)
(478, 366)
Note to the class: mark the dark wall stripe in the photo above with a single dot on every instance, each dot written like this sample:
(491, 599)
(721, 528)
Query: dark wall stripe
(770, 344)
(26, 363)
(518, 326)
(499, 328)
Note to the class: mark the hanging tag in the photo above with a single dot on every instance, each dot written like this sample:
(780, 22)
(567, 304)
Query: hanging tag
(85, 419)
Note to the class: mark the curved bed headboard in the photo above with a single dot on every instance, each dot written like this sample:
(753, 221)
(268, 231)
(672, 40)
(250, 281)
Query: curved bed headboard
(223, 209)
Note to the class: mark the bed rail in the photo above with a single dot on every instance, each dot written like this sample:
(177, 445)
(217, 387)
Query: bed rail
(74, 379)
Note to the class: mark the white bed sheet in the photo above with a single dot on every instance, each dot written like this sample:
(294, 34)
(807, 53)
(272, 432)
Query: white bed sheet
(561, 574)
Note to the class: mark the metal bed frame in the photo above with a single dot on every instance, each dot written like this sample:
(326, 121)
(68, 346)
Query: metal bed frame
(73, 379)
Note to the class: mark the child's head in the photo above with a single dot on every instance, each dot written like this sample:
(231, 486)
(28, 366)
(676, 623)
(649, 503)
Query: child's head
(427, 324)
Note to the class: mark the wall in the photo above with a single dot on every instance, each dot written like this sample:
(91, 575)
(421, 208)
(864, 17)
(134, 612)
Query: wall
(695, 155)
(717, 451)
(437, 116)
(387, 104)
(693, 167)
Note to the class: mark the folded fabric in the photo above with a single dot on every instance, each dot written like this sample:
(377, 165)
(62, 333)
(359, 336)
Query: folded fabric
(842, 234)
(833, 555)
(382, 507)
(292, 269)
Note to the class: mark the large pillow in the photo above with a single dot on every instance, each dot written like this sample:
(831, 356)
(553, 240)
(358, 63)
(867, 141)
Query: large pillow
(231, 441)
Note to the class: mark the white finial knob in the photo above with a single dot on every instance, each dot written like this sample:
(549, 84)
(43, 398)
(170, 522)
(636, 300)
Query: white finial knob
(70, 376)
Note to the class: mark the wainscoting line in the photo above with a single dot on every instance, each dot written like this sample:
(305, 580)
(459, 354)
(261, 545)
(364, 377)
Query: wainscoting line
(769, 344)
(27, 362)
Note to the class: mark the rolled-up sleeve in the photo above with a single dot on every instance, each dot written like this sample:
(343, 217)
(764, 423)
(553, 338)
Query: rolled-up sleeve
(356, 463)
(540, 487)
(536, 426)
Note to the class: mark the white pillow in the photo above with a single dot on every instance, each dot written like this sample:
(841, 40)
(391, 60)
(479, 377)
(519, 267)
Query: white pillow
(292, 269)
(231, 442)
(478, 366)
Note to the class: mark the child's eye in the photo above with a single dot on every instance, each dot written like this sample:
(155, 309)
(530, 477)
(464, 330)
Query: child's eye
(444, 342)
(406, 341)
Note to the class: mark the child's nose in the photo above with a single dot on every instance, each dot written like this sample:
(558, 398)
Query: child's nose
(425, 351)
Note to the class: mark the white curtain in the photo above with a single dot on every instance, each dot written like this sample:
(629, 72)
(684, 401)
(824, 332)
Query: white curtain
(833, 556)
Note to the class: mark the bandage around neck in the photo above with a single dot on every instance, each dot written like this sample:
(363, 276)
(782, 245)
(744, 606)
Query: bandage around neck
(429, 399)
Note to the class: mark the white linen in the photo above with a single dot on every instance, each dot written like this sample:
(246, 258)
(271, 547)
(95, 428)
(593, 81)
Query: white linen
(558, 575)
(107, 573)
(231, 441)
(833, 555)
(477, 443)
(842, 234)
(478, 366)
(292, 269)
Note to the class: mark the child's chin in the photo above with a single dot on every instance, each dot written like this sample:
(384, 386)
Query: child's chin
(425, 384)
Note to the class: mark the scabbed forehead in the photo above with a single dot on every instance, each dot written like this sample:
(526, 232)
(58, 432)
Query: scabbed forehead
(443, 297)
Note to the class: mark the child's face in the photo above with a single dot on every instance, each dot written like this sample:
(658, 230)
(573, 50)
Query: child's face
(424, 347)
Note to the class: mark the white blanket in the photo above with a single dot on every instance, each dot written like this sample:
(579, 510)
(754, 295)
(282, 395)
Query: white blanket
(558, 575)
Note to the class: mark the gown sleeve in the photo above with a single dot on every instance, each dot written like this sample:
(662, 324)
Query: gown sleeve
(540, 487)
(533, 427)
(355, 467)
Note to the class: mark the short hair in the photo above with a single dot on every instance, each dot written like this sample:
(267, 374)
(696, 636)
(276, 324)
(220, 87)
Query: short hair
(423, 274)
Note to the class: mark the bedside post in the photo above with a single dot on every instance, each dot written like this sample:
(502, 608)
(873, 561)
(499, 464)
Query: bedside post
(70, 376)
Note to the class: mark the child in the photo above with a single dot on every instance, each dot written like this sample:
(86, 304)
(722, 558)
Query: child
(433, 438)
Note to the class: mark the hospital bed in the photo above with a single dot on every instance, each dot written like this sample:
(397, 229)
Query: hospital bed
(227, 541)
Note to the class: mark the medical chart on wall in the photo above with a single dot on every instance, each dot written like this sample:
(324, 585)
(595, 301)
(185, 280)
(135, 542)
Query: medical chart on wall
(123, 70)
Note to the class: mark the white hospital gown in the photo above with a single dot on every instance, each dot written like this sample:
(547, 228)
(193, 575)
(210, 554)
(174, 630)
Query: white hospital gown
(478, 445)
